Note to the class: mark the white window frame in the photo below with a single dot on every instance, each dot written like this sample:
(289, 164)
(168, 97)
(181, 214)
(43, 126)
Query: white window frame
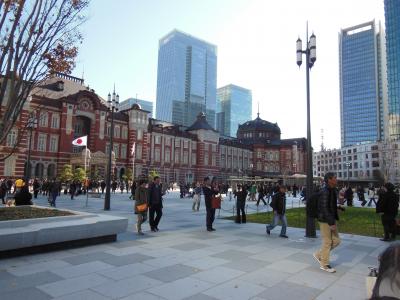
(53, 143)
(55, 121)
(42, 141)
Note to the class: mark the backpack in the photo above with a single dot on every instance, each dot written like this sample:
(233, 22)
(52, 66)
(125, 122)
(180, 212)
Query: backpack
(312, 204)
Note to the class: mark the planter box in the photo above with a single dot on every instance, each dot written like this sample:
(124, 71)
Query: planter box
(20, 237)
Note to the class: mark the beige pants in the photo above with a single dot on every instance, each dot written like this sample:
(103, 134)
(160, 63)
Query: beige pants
(330, 240)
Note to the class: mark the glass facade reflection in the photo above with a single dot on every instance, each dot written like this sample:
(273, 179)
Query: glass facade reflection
(392, 24)
(234, 107)
(186, 79)
(144, 104)
(361, 84)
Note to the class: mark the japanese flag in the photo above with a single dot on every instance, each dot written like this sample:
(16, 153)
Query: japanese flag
(81, 141)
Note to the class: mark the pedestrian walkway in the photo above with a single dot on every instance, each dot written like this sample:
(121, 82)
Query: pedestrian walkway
(184, 261)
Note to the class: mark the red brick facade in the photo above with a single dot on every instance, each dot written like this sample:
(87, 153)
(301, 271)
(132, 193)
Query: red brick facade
(64, 109)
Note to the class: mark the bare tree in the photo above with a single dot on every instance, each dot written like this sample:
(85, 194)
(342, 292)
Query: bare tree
(37, 38)
(389, 160)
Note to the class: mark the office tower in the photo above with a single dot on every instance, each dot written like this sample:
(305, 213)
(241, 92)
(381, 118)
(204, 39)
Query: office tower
(392, 24)
(363, 94)
(186, 79)
(234, 107)
(144, 104)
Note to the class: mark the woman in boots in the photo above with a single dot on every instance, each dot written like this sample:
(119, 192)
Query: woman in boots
(141, 198)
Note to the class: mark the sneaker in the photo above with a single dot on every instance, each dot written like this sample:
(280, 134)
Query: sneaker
(316, 258)
(328, 269)
(268, 231)
(213, 229)
(284, 236)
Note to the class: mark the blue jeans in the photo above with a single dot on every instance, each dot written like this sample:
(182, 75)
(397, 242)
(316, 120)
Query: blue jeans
(53, 199)
(275, 222)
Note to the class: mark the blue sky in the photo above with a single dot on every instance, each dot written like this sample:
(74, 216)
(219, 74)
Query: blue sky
(256, 50)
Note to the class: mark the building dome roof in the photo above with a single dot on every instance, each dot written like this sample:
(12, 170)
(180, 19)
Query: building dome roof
(259, 124)
(136, 106)
(200, 123)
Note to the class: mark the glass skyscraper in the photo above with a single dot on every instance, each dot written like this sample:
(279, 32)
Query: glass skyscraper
(362, 84)
(144, 104)
(186, 79)
(392, 24)
(234, 107)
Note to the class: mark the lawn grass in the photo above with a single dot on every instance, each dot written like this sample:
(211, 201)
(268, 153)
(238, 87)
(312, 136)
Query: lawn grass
(355, 220)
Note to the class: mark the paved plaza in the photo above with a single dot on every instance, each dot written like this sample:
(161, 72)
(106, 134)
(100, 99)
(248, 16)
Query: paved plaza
(184, 261)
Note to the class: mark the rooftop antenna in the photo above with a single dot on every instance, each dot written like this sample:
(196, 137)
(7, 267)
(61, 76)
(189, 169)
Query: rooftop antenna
(322, 140)
(258, 109)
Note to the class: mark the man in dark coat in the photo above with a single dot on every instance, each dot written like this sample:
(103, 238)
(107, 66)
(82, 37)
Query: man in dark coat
(327, 217)
(278, 204)
(208, 194)
(240, 194)
(388, 204)
(155, 203)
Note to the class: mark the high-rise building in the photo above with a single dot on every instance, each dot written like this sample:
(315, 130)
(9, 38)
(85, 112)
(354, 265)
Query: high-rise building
(392, 24)
(234, 107)
(363, 95)
(144, 104)
(186, 79)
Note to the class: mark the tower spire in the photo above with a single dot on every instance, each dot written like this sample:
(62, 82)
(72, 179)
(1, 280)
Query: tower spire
(258, 110)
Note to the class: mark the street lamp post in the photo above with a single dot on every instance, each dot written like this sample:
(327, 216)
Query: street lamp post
(30, 126)
(311, 57)
(113, 103)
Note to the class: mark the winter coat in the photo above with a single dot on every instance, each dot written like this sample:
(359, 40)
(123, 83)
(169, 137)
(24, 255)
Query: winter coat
(278, 203)
(327, 206)
(23, 198)
(141, 197)
(388, 204)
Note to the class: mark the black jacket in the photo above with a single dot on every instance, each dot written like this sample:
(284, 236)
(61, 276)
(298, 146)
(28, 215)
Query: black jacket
(388, 203)
(327, 206)
(23, 198)
(208, 193)
(278, 203)
(155, 194)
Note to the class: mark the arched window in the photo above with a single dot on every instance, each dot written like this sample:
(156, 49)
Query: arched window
(39, 168)
(51, 171)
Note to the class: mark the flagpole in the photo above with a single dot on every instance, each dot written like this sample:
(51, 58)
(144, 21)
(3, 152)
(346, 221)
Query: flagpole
(133, 162)
(86, 178)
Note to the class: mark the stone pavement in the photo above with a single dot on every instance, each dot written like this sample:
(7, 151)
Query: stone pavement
(184, 261)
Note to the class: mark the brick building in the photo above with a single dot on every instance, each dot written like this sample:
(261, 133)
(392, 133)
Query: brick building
(64, 108)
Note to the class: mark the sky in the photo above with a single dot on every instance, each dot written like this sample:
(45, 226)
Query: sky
(256, 42)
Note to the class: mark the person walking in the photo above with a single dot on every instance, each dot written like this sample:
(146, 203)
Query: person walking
(349, 196)
(371, 196)
(388, 204)
(141, 205)
(261, 195)
(240, 195)
(72, 189)
(327, 217)
(196, 197)
(54, 189)
(36, 188)
(361, 196)
(155, 203)
(3, 191)
(208, 194)
(278, 205)
(102, 186)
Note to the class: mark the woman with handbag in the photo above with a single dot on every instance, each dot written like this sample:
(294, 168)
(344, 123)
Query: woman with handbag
(141, 206)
